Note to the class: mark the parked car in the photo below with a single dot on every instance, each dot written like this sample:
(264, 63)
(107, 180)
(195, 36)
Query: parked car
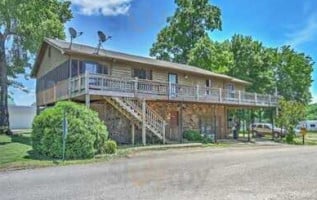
(262, 129)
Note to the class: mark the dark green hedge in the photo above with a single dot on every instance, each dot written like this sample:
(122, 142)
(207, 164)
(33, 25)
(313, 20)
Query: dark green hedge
(86, 137)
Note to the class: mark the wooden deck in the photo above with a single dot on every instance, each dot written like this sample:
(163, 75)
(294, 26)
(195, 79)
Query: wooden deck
(101, 85)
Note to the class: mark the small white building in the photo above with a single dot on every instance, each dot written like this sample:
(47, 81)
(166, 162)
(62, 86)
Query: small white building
(21, 117)
(310, 125)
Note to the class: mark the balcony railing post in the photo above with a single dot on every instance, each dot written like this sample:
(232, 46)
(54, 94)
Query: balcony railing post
(255, 98)
(239, 96)
(86, 87)
(102, 82)
(135, 86)
(220, 95)
(197, 92)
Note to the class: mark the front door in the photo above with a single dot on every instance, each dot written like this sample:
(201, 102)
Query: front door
(174, 125)
(172, 81)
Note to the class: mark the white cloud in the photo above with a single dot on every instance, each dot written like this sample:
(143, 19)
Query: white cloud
(307, 33)
(102, 7)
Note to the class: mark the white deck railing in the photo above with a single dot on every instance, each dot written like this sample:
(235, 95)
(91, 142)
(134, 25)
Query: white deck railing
(108, 86)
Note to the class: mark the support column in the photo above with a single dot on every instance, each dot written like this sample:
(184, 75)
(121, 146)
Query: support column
(215, 124)
(87, 100)
(164, 129)
(133, 133)
(181, 123)
(143, 122)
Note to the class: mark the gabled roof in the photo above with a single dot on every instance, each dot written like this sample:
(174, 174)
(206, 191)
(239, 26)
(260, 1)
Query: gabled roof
(63, 47)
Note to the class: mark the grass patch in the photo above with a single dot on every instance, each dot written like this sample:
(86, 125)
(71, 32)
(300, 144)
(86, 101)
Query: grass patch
(16, 153)
(310, 139)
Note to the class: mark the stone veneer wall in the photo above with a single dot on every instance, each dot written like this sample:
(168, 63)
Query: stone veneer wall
(192, 117)
(119, 127)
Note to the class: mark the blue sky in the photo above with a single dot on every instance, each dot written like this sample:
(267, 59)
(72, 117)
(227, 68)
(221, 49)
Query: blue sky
(134, 24)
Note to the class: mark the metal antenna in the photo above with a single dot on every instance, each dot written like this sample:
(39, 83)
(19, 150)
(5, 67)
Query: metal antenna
(73, 35)
(102, 38)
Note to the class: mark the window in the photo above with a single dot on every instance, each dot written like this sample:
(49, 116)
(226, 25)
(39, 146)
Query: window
(54, 76)
(312, 126)
(80, 67)
(142, 74)
(230, 90)
(208, 85)
(267, 127)
(74, 68)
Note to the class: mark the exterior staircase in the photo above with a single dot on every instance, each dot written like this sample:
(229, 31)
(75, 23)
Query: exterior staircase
(141, 114)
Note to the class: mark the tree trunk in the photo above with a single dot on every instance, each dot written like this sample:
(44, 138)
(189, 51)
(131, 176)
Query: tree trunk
(4, 113)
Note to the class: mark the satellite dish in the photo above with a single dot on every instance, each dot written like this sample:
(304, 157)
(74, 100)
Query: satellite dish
(72, 32)
(102, 38)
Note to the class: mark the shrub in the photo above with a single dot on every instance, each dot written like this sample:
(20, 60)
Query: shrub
(110, 147)
(207, 139)
(192, 135)
(86, 132)
(290, 138)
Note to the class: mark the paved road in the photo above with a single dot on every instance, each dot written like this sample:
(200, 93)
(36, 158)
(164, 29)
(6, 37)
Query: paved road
(277, 172)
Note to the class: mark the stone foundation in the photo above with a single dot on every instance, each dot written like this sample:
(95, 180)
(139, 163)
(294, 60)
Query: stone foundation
(204, 118)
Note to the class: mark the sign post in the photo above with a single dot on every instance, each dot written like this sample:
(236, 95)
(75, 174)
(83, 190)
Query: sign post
(65, 131)
(303, 131)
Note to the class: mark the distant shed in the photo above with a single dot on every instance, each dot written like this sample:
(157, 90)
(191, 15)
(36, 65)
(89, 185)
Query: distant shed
(21, 117)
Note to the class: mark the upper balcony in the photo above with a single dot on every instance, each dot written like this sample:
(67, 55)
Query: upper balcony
(102, 85)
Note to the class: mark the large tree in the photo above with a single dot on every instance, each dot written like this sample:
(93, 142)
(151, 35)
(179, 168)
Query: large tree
(23, 25)
(292, 73)
(210, 55)
(192, 20)
(252, 62)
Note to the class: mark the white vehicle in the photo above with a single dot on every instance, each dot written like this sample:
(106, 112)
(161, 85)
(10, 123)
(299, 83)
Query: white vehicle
(261, 129)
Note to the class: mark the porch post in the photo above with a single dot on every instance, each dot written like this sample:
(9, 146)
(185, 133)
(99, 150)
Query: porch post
(87, 96)
(197, 92)
(220, 95)
(215, 124)
(164, 127)
(87, 100)
(181, 123)
(133, 133)
(143, 122)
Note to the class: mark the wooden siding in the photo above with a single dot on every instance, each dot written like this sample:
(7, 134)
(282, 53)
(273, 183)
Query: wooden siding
(50, 62)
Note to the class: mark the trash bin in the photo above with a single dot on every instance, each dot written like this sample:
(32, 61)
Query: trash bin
(235, 134)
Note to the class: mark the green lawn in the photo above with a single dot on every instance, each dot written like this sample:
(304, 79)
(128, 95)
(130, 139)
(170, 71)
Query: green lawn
(310, 139)
(15, 148)
(16, 153)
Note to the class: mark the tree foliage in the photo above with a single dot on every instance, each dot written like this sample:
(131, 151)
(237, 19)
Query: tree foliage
(23, 25)
(311, 111)
(210, 55)
(192, 20)
(293, 74)
(87, 134)
(290, 113)
(186, 40)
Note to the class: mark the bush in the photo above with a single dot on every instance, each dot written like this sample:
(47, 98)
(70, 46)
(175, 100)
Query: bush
(207, 139)
(110, 147)
(86, 132)
(192, 135)
(290, 138)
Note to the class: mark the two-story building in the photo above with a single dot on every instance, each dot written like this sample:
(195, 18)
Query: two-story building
(140, 98)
